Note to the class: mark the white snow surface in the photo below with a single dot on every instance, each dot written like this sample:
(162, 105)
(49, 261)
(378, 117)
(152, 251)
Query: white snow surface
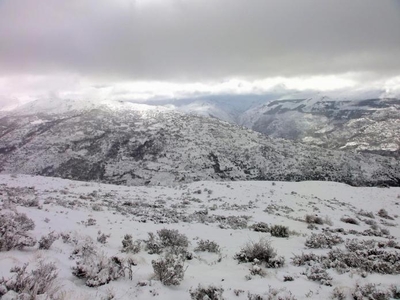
(65, 205)
(59, 106)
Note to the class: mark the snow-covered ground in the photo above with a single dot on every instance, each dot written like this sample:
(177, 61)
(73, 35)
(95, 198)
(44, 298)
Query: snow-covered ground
(223, 212)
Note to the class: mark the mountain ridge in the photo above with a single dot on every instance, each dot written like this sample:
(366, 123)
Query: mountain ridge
(137, 145)
(366, 125)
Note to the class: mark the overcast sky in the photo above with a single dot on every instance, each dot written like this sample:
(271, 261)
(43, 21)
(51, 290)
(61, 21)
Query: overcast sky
(144, 48)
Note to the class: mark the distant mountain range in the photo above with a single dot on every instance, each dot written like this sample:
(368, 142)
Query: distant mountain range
(133, 144)
(371, 125)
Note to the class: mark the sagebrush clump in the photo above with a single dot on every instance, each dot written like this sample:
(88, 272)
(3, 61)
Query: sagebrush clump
(168, 240)
(14, 231)
(102, 237)
(94, 266)
(316, 273)
(362, 256)
(313, 219)
(129, 246)
(153, 244)
(260, 252)
(323, 240)
(338, 294)
(170, 269)
(368, 214)
(210, 292)
(306, 259)
(30, 284)
(272, 294)
(46, 241)
(97, 269)
(375, 291)
(279, 231)
(256, 270)
(384, 214)
(260, 227)
(349, 220)
(207, 246)
(172, 238)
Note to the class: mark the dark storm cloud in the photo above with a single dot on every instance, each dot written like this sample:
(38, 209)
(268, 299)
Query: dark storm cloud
(199, 39)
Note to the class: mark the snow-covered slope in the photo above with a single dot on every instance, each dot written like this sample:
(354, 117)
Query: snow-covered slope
(366, 125)
(224, 213)
(371, 125)
(137, 144)
(209, 109)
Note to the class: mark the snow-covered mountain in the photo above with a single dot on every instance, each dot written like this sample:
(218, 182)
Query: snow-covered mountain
(227, 108)
(205, 109)
(371, 125)
(125, 143)
(365, 125)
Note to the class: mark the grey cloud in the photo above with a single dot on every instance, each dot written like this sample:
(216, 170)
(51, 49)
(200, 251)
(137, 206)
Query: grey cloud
(199, 39)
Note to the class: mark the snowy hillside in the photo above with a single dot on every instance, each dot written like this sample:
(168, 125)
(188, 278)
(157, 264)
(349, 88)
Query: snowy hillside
(366, 126)
(331, 241)
(371, 125)
(209, 109)
(136, 144)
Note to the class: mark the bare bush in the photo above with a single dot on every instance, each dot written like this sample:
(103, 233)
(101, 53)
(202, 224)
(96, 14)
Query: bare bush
(97, 207)
(102, 237)
(338, 294)
(357, 245)
(368, 259)
(128, 245)
(272, 294)
(233, 222)
(94, 266)
(368, 214)
(384, 214)
(30, 284)
(153, 245)
(386, 223)
(90, 222)
(260, 252)
(385, 231)
(370, 222)
(167, 239)
(260, 227)
(257, 270)
(318, 274)
(46, 241)
(306, 259)
(210, 292)
(313, 219)
(323, 240)
(207, 246)
(83, 246)
(30, 202)
(169, 270)
(349, 220)
(172, 238)
(97, 269)
(288, 278)
(279, 231)
(372, 291)
(14, 229)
